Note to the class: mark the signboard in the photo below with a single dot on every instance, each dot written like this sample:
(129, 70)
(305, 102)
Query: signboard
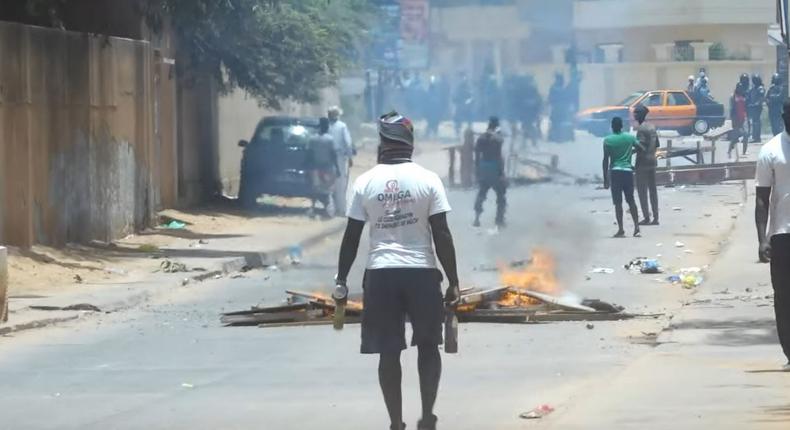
(414, 33)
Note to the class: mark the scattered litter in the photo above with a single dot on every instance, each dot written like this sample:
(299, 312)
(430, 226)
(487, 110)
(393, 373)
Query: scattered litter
(203, 242)
(659, 245)
(677, 209)
(169, 266)
(147, 247)
(679, 244)
(590, 326)
(187, 385)
(273, 268)
(78, 279)
(688, 251)
(184, 282)
(604, 270)
(217, 276)
(295, 254)
(174, 225)
(236, 276)
(537, 413)
(644, 265)
(688, 278)
(115, 271)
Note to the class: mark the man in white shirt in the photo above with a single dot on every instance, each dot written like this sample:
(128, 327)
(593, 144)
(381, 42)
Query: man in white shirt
(773, 205)
(406, 206)
(345, 150)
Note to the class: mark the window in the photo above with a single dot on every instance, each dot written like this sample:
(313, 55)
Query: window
(677, 99)
(653, 99)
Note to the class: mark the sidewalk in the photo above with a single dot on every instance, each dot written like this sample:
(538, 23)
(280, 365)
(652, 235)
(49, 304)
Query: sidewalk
(217, 241)
(716, 365)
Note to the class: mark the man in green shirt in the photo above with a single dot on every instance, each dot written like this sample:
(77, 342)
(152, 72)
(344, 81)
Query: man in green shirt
(618, 173)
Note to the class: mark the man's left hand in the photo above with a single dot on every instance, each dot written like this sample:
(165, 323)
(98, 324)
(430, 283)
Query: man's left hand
(452, 297)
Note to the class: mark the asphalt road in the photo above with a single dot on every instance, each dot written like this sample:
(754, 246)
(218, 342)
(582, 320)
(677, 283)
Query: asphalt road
(170, 365)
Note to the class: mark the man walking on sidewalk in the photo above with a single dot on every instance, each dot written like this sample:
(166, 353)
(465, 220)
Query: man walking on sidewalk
(773, 204)
(490, 166)
(646, 164)
(618, 173)
(344, 148)
(407, 207)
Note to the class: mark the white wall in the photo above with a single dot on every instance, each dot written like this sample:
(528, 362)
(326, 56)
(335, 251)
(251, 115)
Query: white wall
(238, 114)
(601, 14)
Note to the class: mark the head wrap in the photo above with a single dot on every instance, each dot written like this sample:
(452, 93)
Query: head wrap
(396, 128)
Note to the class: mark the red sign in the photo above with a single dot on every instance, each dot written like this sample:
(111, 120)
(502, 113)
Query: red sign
(414, 25)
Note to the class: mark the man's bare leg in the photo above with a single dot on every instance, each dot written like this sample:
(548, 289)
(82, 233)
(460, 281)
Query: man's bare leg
(429, 363)
(390, 382)
(618, 213)
(634, 215)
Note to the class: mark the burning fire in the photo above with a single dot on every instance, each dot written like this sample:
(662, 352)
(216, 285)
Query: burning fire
(539, 275)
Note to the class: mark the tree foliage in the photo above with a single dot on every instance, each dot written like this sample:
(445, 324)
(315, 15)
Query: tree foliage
(274, 49)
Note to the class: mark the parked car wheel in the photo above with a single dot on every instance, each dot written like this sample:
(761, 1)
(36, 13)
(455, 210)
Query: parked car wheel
(701, 126)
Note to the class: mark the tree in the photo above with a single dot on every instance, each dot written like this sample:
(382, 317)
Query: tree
(274, 49)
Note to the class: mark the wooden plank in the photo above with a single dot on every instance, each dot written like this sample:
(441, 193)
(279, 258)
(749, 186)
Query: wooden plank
(278, 317)
(352, 305)
(556, 301)
(491, 294)
(271, 309)
(318, 322)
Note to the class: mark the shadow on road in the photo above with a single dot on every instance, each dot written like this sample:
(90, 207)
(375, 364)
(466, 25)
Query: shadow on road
(734, 333)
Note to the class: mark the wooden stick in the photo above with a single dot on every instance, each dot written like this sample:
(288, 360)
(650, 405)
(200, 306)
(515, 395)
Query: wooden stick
(356, 306)
(319, 322)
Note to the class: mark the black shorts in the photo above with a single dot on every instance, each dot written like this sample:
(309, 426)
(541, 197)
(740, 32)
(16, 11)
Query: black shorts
(390, 295)
(622, 183)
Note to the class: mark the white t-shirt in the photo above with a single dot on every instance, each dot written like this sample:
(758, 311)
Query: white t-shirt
(773, 171)
(396, 200)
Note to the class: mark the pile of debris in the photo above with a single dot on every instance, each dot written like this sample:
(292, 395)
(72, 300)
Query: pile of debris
(495, 305)
(529, 294)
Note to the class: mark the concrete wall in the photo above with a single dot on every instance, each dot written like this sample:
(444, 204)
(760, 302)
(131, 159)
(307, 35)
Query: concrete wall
(610, 83)
(76, 141)
(638, 42)
(602, 14)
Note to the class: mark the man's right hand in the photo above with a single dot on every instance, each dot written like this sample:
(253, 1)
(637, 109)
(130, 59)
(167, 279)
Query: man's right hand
(764, 253)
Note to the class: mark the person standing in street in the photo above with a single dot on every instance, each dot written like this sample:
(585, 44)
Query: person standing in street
(738, 119)
(323, 167)
(773, 205)
(618, 173)
(344, 148)
(774, 99)
(646, 163)
(407, 208)
(464, 105)
(756, 99)
(490, 165)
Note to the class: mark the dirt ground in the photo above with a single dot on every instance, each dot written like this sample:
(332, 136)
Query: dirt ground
(41, 270)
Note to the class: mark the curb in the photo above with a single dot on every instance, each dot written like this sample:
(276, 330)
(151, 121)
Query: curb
(251, 260)
(259, 259)
(35, 324)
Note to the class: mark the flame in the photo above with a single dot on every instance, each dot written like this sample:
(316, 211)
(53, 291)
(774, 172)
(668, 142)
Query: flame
(539, 275)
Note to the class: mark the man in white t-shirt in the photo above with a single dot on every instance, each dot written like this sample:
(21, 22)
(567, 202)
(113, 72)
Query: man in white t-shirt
(406, 207)
(773, 205)
(344, 147)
